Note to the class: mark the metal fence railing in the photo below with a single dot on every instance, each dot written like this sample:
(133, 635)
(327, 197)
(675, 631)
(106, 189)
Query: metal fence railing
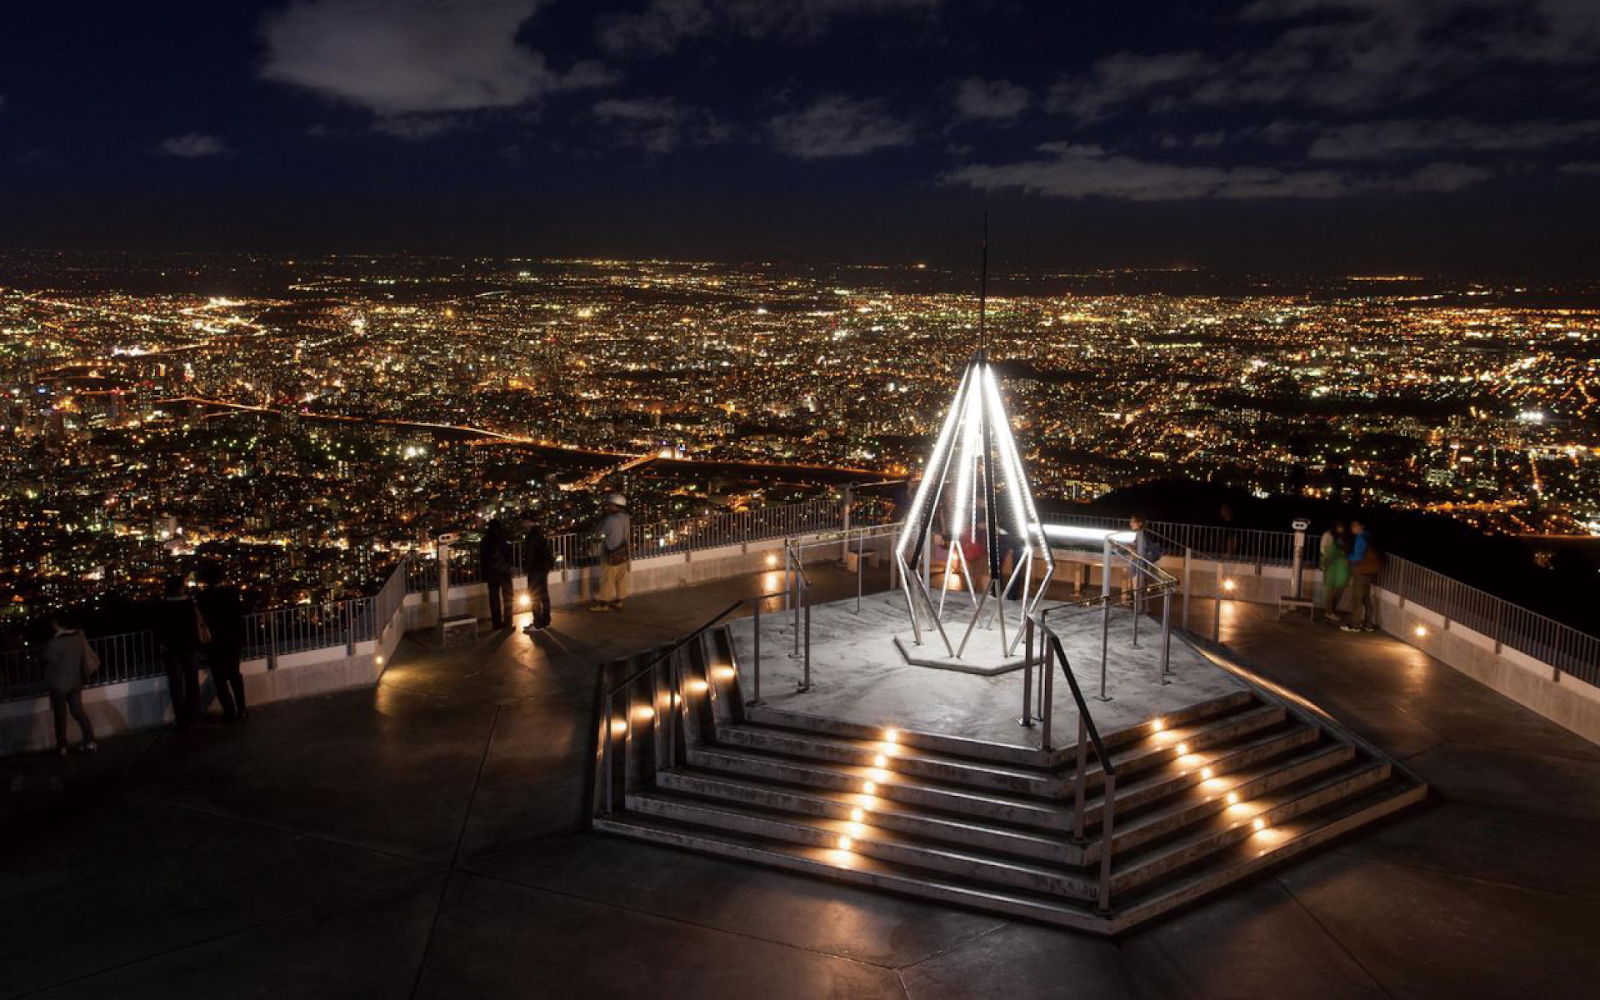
(1545, 639)
(1246, 546)
(270, 634)
(580, 549)
(123, 657)
(281, 631)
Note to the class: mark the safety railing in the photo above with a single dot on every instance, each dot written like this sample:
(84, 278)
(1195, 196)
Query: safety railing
(123, 657)
(266, 634)
(1245, 546)
(580, 549)
(1038, 630)
(1562, 647)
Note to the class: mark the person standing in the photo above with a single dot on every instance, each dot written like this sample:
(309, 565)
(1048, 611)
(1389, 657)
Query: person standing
(537, 562)
(1335, 569)
(1365, 564)
(616, 563)
(179, 629)
(223, 613)
(494, 556)
(69, 662)
(1142, 573)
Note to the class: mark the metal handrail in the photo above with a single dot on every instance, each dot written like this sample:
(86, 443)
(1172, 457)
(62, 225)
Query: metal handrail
(730, 609)
(675, 686)
(1088, 734)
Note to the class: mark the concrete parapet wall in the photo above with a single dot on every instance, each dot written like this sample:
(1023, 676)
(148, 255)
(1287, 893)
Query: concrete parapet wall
(1537, 686)
(26, 724)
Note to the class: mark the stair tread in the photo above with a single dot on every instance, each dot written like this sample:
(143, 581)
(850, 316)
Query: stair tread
(1213, 872)
(1221, 825)
(881, 807)
(862, 773)
(891, 751)
(1163, 809)
(838, 828)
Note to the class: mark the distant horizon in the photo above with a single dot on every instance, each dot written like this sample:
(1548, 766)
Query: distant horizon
(1000, 268)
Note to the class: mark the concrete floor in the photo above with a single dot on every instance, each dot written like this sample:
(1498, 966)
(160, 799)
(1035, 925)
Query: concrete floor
(418, 840)
(857, 673)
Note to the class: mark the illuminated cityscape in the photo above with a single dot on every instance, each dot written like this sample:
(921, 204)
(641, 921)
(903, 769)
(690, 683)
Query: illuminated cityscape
(329, 413)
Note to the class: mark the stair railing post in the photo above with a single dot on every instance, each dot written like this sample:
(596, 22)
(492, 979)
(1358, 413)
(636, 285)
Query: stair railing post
(805, 597)
(1188, 559)
(1166, 637)
(1047, 691)
(1027, 673)
(757, 667)
(1107, 812)
(1080, 780)
(608, 755)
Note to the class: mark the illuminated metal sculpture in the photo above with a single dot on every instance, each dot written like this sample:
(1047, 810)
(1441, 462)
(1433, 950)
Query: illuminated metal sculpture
(975, 494)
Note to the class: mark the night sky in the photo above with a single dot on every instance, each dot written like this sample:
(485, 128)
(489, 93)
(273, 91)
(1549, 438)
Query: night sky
(1324, 136)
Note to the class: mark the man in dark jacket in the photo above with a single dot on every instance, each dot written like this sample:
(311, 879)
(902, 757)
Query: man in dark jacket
(1365, 565)
(537, 562)
(223, 613)
(494, 557)
(178, 630)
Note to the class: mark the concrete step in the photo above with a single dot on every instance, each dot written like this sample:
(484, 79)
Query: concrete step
(989, 824)
(1204, 876)
(969, 830)
(1289, 839)
(848, 866)
(1213, 797)
(893, 759)
(993, 806)
(1237, 823)
(1170, 743)
(866, 840)
(1142, 789)
(766, 715)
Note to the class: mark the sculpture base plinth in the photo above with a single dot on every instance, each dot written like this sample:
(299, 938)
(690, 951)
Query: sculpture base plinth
(982, 657)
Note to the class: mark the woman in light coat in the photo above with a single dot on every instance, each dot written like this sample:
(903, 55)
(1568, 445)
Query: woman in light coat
(69, 662)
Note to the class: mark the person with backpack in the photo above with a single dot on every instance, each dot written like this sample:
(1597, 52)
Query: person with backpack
(1335, 569)
(494, 556)
(1365, 565)
(616, 561)
(537, 562)
(69, 663)
(181, 632)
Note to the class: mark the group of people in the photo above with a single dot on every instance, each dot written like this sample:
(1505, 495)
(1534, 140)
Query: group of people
(1350, 564)
(209, 623)
(498, 566)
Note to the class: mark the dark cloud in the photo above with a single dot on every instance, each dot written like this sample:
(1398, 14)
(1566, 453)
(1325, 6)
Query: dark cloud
(662, 25)
(193, 146)
(659, 124)
(1344, 55)
(414, 57)
(977, 98)
(1400, 138)
(1073, 171)
(839, 126)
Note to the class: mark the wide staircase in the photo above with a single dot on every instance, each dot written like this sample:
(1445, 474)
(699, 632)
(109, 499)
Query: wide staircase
(1201, 798)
